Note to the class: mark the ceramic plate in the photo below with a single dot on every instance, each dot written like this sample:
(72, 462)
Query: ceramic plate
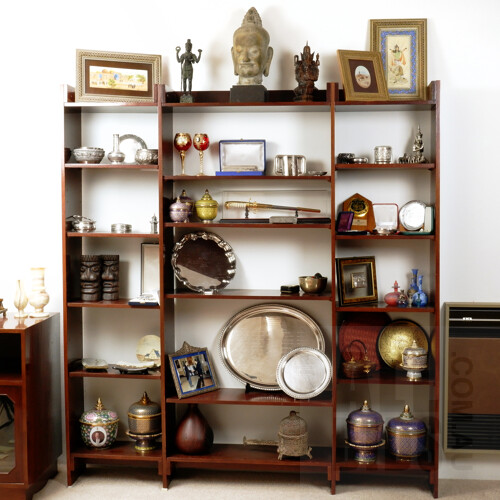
(252, 343)
(129, 144)
(304, 373)
(395, 337)
(126, 367)
(94, 364)
(203, 262)
(149, 349)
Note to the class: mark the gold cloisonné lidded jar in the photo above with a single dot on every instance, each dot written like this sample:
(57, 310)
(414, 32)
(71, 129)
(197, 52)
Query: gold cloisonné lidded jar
(364, 433)
(406, 436)
(206, 208)
(144, 422)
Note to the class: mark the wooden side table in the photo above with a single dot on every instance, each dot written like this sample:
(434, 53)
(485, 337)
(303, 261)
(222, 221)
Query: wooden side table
(30, 404)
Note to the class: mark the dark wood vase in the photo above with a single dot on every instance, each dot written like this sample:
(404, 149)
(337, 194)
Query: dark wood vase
(194, 436)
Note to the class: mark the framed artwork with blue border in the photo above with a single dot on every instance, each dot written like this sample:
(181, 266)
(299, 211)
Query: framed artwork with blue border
(192, 371)
(403, 46)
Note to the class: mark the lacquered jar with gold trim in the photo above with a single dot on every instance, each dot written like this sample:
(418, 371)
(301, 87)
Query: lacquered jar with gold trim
(144, 421)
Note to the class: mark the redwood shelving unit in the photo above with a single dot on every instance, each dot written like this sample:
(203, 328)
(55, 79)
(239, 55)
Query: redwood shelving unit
(332, 458)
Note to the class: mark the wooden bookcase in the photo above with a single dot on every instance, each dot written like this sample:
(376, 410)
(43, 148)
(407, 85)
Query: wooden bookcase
(30, 392)
(330, 458)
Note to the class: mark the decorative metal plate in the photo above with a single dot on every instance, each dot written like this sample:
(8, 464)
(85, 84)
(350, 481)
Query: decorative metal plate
(254, 340)
(203, 262)
(129, 144)
(395, 337)
(412, 215)
(304, 373)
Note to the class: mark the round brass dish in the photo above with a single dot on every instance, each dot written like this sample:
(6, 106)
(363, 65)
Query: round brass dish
(395, 337)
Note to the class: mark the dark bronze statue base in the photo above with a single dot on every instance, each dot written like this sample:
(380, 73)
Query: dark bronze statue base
(186, 98)
(248, 93)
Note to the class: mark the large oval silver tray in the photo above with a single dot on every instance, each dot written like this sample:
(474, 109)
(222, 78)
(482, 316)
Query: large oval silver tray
(129, 144)
(412, 215)
(304, 373)
(254, 340)
(203, 262)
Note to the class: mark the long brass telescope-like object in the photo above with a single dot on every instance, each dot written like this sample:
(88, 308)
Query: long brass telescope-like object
(252, 205)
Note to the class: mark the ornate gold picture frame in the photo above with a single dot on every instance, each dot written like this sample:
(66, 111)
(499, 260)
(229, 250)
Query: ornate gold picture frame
(362, 75)
(402, 44)
(356, 280)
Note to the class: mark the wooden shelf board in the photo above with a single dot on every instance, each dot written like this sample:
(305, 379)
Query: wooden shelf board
(108, 304)
(387, 166)
(11, 379)
(387, 377)
(384, 462)
(384, 238)
(247, 225)
(247, 294)
(111, 373)
(247, 178)
(383, 307)
(108, 166)
(241, 455)
(261, 398)
(103, 234)
(121, 451)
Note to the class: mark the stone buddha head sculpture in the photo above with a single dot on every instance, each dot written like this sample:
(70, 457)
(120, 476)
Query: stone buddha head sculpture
(251, 52)
(110, 277)
(90, 278)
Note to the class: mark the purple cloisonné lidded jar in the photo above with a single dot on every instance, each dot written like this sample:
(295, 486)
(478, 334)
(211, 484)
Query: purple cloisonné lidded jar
(406, 436)
(364, 433)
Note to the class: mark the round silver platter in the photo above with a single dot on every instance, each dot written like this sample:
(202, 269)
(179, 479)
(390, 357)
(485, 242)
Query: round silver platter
(254, 340)
(304, 373)
(203, 262)
(412, 215)
(129, 144)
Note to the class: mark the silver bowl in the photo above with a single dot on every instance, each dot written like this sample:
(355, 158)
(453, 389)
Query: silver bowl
(146, 156)
(312, 284)
(88, 155)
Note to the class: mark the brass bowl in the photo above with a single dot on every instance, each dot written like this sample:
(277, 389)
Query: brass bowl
(312, 284)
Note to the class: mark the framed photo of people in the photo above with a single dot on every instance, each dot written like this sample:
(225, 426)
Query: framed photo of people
(192, 371)
(402, 44)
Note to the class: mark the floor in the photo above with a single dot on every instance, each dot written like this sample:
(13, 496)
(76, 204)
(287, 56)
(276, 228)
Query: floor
(124, 483)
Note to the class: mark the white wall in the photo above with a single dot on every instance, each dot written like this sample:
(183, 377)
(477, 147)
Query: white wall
(39, 40)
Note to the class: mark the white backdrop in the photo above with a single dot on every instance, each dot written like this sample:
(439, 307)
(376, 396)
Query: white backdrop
(39, 40)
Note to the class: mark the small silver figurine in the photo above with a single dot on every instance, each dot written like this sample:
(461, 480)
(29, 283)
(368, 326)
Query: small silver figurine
(418, 151)
(154, 224)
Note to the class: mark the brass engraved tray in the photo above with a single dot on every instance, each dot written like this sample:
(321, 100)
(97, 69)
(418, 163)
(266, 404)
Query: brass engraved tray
(254, 340)
(395, 337)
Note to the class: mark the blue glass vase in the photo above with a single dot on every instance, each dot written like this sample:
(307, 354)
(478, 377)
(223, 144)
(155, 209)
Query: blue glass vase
(419, 298)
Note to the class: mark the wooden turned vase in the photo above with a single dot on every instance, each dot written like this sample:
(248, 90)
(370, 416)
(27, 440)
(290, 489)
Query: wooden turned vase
(194, 436)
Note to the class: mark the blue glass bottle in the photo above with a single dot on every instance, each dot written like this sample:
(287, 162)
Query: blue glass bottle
(419, 298)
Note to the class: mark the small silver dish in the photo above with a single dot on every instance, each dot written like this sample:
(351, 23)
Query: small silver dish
(314, 172)
(119, 227)
(88, 155)
(360, 159)
(146, 156)
(81, 224)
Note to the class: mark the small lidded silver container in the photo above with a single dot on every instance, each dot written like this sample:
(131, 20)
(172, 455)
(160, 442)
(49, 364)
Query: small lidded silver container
(414, 361)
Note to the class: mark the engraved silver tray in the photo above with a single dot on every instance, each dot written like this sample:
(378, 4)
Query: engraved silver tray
(304, 373)
(203, 262)
(254, 340)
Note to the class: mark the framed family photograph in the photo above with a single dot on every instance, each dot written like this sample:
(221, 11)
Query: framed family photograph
(116, 76)
(356, 280)
(402, 44)
(192, 371)
(362, 75)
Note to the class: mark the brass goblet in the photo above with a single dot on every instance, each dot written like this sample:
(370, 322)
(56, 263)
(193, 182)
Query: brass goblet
(182, 143)
(201, 143)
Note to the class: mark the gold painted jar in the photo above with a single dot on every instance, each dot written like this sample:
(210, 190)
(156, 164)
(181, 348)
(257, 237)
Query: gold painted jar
(206, 208)
(144, 416)
(99, 427)
(293, 437)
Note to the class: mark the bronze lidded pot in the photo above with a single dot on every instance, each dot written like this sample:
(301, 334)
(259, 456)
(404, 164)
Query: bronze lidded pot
(293, 437)
(144, 422)
(364, 433)
(99, 427)
(406, 436)
(206, 208)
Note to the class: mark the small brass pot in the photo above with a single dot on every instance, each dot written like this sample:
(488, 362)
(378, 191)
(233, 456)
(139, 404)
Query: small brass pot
(206, 208)
(144, 421)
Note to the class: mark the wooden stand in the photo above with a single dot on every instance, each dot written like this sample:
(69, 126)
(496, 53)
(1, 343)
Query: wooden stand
(30, 395)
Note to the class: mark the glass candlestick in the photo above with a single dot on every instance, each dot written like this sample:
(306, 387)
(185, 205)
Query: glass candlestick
(182, 142)
(201, 143)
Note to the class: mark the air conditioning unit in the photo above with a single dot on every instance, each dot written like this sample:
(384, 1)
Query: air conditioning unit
(472, 369)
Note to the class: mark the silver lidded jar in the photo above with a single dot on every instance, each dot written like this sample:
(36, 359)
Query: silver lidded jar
(144, 421)
(293, 437)
(406, 436)
(364, 433)
(179, 211)
(414, 361)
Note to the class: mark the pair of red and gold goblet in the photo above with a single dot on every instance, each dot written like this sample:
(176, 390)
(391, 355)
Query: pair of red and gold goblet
(182, 143)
